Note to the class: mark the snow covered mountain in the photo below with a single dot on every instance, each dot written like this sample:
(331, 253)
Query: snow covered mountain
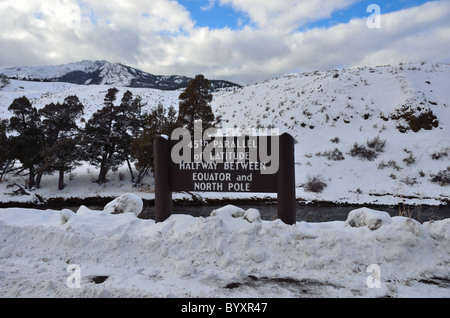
(103, 73)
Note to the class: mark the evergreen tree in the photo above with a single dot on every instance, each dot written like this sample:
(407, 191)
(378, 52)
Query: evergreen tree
(109, 131)
(129, 123)
(29, 140)
(195, 104)
(62, 151)
(4, 80)
(61, 120)
(139, 117)
(158, 121)
(4, 148)
(171, 121)
(101, 142)
(6, 152)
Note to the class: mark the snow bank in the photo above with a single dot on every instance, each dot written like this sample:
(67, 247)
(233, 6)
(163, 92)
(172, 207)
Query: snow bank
(187, 256)
(232, 216)
(127, 202)
(367, 217)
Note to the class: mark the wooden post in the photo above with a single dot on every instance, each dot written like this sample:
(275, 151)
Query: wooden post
(286, 180)
(163, 192)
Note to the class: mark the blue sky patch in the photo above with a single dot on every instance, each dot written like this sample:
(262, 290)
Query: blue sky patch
(211, 14)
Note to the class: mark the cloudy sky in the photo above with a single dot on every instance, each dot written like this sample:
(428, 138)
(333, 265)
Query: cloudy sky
(244, 41)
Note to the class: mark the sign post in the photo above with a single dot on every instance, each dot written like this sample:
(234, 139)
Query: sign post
(263, 164)
(163, 192)
(286, 181)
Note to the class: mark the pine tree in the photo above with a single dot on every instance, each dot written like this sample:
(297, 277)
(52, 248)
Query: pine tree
(6, 153)
(101, 141)
(127, 124)
(62, 150)
(63, 156)
(195, 104)
(3, 142)
(61, 120)
(29, 140)
(4, 81)
(108, 132)
(158, 121)
(4, 148)
(170, 122)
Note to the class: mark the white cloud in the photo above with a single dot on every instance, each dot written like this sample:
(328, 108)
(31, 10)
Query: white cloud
(159, 36)
(412, 35)
(63, 12)
(287, 15)
(250, 54)
(59, 31)
(209, 6)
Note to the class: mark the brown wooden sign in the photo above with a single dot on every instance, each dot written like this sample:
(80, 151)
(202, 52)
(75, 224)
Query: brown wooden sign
(262, 164)
(230, 169)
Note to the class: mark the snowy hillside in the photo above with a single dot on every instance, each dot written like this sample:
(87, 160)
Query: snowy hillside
(41, 94)
(328, 112)
(365, 135)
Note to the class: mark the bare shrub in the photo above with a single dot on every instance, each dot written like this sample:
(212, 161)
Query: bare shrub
(409, 181)
(410, 160)
(335, 140)
(362, 152)
(376, 144)
(438, 155)
(390, 163)
(442, 177)
(315, 184)
(334, 155)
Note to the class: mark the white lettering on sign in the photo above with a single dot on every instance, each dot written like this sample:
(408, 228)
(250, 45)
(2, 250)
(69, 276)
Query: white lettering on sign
(207, 186)
(215, 176)
(239, 143)
(239, 187)
(197, 165)
(225, 149)
(256, 166)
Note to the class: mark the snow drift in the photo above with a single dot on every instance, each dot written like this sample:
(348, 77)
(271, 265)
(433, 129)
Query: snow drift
(231, 253)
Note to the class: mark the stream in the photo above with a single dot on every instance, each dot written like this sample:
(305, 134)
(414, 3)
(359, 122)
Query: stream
(305, 212)
(315, 213)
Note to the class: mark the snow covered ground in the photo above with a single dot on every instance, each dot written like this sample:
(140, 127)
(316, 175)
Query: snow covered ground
(231, 253)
